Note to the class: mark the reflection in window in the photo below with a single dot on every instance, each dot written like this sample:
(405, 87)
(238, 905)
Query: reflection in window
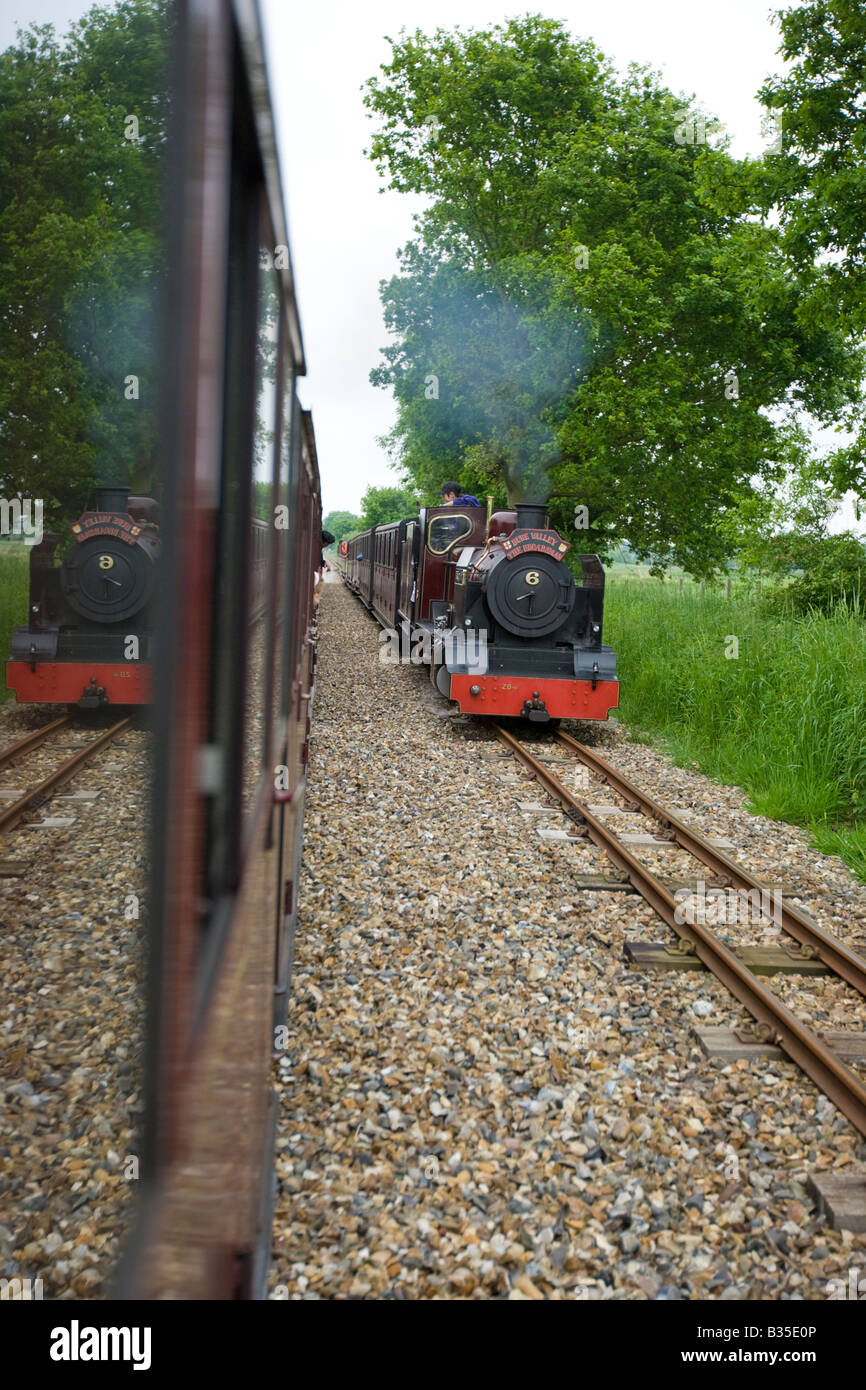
(444, 532)
(283, 559)
(82, 262)
(262, 510)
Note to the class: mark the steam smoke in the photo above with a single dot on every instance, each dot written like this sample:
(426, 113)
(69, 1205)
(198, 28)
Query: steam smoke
(517, 356)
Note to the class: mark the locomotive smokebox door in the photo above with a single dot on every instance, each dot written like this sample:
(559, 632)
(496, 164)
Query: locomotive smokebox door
(107, 580)
(531, 596)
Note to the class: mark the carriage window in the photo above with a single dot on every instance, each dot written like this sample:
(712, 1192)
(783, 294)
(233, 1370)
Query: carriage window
(259, 618)
(284, 549)
(444, 532)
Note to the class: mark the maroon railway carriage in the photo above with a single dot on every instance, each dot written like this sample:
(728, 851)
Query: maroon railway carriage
(233, 679)
(510, 629)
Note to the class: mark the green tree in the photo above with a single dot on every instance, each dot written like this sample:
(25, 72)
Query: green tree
(580, 316)
(341, 524)
(382, 504)
(263, 501)
(818, 179)
(81, 252)
(831, 570)
(783, 533)
(820, 104)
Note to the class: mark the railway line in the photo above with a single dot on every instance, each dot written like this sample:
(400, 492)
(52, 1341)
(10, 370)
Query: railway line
(18, 807)
(480, 1096)
(73, 903)
(813, 1053)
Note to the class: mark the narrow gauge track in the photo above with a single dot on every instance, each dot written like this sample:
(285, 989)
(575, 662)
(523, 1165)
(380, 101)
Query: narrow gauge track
(13, 814)
(30, 741)
(838, 1082)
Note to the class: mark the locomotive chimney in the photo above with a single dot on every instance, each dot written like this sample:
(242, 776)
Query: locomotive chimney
(110, 498)
(532, 515)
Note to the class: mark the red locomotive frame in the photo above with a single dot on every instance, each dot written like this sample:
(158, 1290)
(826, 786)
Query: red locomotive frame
(61, 683)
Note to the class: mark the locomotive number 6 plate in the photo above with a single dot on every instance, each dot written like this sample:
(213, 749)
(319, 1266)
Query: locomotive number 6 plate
(106, 562)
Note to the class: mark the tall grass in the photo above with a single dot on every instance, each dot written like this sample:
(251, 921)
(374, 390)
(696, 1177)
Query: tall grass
(14, 597)
(784, 718)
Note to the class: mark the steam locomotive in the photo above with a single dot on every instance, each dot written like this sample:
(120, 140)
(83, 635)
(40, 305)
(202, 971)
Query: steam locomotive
(506, 628)
(89, 639)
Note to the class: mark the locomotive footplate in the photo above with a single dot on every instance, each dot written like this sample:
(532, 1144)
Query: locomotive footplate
(88, 685)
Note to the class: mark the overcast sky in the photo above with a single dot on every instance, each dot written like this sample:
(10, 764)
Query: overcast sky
(345, 234)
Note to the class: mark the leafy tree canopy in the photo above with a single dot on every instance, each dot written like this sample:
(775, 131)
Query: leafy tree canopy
(818, 179)
(381, 504)
(341, 524)
(80, 252)
(784, 532)
(821, 103)
(580, 317)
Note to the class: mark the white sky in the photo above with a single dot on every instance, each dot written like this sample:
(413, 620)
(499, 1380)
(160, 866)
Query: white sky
(345, 234)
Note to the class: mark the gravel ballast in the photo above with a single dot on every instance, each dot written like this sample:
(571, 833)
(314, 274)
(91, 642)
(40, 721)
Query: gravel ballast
(71, 1015)
(479, 1097)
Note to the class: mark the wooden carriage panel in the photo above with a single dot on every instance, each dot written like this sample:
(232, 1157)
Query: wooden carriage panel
(445, 531)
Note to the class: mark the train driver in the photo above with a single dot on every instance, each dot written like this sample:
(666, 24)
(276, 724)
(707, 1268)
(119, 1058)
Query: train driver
(454, 496)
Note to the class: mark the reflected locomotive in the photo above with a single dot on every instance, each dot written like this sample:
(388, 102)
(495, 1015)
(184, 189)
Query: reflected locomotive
(88, 639)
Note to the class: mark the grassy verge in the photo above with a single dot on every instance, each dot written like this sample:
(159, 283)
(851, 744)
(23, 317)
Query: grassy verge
(13, 602)
(783, 714)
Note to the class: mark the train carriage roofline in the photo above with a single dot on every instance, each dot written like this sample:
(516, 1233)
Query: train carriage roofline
(247, 17)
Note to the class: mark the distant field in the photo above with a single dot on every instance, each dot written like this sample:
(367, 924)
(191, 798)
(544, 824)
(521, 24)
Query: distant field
(13, 602)
(783, 718)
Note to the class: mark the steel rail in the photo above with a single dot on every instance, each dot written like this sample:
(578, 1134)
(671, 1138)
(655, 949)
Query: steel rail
(13, 814)
(831, 1075)
(33, 740)
(834, 953)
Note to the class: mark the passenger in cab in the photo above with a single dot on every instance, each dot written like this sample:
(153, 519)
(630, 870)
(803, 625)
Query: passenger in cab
(454, 496)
